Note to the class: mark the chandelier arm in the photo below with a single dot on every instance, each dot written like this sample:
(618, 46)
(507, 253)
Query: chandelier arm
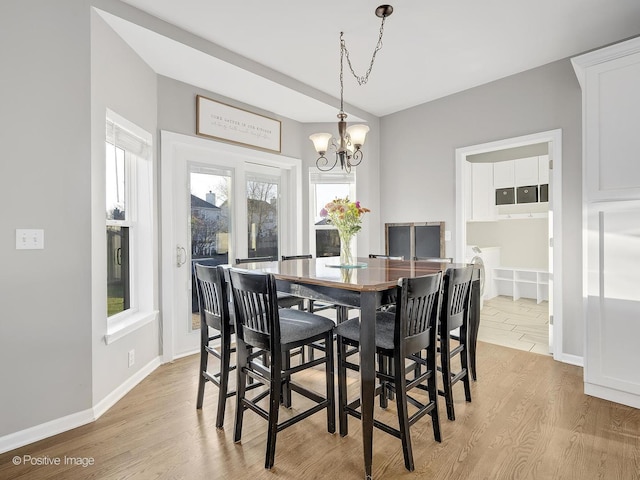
(322, 160)
(343, 50)
(357, 158)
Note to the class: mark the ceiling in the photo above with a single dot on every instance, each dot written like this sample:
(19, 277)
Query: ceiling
(430, 49)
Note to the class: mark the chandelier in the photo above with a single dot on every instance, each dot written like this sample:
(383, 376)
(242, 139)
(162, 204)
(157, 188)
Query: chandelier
(348, 148)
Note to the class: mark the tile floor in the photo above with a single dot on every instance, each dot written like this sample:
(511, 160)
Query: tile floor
(521, 324)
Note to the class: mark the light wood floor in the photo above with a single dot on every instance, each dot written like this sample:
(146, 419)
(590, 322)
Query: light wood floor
(521, 324)
(528, 420)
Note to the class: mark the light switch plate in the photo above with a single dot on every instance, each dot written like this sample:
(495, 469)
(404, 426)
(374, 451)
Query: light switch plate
(447, 235)
(29, 239)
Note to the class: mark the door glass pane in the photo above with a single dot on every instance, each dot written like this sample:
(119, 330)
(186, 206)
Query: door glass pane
(210, 226)
(262, 216)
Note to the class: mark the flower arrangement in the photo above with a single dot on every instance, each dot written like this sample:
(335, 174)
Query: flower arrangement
(346, 216)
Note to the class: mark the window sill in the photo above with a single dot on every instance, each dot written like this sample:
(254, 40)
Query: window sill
(122, 327)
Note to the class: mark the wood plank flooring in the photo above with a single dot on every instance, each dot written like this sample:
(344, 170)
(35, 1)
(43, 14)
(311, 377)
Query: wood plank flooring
(528, 420)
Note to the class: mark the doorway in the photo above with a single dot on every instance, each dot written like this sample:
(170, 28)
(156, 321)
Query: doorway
(219, 202)
(553, 140)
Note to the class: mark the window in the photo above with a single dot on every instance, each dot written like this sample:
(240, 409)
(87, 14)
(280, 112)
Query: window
(129, 220)
(118, 225)
(324, 187)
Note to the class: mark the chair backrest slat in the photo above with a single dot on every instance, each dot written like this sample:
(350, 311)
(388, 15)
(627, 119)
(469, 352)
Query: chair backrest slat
(212, 295)
(457, 290)
(417, 310)
(256, 308)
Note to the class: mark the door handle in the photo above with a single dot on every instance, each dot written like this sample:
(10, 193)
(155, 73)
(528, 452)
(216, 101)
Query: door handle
(181, 256)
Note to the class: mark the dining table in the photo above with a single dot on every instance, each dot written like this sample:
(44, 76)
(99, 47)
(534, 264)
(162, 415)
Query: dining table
(366, 286)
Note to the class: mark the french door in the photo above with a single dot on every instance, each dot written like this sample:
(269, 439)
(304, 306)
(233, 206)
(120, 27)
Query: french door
(219, 202)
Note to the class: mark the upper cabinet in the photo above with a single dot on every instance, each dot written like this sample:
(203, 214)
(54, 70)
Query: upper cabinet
(509, 182)
(504, 174)
(521, 172)
(483, 206)
(610, 80)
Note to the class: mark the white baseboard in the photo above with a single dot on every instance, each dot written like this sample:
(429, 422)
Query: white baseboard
(44, 430)
(617, 396)
(110, 400)
(69, 422)
(571, 359)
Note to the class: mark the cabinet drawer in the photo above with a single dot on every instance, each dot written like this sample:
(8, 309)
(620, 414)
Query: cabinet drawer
(528, 194)
(505, 196)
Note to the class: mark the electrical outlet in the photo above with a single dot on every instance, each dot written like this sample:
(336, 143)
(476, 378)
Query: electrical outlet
(132, 357)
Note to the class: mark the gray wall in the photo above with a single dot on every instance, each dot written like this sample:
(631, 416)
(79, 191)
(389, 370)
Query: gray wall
(122, 82)
(418, 156)
(45, 173)
(177, 113)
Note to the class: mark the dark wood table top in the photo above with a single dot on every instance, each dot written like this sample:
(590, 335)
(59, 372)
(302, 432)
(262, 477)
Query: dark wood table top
(378, 274)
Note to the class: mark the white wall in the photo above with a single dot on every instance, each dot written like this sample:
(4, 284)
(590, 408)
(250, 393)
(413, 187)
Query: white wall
(523, 242)
(418, 156)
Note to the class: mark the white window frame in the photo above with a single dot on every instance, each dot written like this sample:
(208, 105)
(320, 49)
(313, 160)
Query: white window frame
(318, 177)
(140, 219)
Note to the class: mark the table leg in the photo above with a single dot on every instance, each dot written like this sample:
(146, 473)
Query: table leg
(367, 374)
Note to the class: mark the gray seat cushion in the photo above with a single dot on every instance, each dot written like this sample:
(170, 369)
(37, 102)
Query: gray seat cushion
(296, 325)
(385, 323)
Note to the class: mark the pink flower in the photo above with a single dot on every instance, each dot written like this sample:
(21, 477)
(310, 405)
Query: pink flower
(323, 212)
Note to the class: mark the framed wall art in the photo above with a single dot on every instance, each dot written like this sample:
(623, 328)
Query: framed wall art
(224, 122)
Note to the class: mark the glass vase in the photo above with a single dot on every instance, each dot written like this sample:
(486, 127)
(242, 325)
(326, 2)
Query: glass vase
(346, 256)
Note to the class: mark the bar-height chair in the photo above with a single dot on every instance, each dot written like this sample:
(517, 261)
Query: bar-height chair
(455, 315)
(264, 329)
(285, 300)
(214, 315)
(407, 335)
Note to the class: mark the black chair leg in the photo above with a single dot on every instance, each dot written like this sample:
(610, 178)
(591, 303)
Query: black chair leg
(464, 360)
(285, 391)
(331, 407)
(383, 367)
(432, 389)
(445, 362)
(202, 381)
(275, 388)
(403, 415)
(225, 364)
(342, 388)
(241, 387)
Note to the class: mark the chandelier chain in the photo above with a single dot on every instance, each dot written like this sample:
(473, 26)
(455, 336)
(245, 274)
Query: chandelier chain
(344, 51)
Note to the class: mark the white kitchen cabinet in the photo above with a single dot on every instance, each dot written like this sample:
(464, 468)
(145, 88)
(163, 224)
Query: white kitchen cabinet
(483, 205)
(504, 174)
(526, 171)
(543, 169)
(610, 79)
